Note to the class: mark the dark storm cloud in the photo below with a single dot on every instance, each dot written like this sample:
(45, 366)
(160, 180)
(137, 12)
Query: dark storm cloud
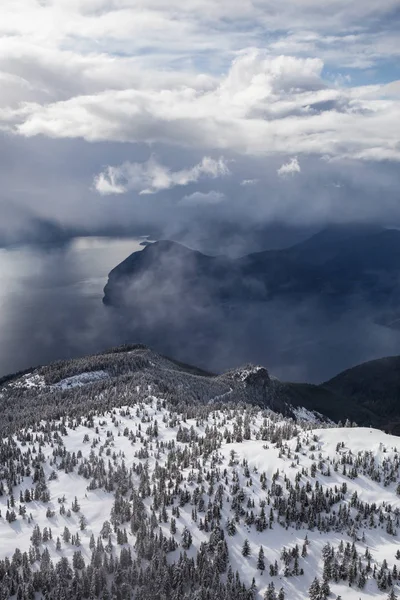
(47, 186)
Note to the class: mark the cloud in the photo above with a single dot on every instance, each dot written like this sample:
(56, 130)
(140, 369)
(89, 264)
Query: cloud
(262, 105)
(107, 182)
(151, 177)
(88, 83)
(246, 182)
(130, 27)
(199, 198)
(289, 168)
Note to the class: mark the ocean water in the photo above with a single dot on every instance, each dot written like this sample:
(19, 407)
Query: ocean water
(50, 300)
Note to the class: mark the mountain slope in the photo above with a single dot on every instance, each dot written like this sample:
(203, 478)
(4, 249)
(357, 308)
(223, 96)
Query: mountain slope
(136, 492)
(308, 312)
(366, 394)
(332, 403)
(336, 261)
(333, 241)
(109, 378)
(375, 386)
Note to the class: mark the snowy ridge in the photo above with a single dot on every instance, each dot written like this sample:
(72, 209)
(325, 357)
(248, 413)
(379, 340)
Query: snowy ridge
(244, 373)
(81, 380)
(29, 381)
(303, 414)
(191, 498)
(32, 381)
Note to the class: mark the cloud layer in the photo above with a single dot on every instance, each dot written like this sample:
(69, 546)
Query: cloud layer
(88, 83)
(263, 105)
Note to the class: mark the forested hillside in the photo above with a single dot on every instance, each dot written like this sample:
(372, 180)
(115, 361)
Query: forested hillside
(112, 488)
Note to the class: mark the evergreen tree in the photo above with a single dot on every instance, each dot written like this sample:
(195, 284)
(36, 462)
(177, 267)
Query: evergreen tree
(261, 560)
(314, 591)
(246, 548)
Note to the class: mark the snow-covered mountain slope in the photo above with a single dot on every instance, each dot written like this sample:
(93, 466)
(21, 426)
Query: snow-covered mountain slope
(36, 381)
(150, 499)
(106, 380)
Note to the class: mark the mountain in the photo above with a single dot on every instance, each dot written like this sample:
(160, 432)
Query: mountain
(374, 386)
(171, 269)
(118, 372)
(171, 266)
(309, 311)
(129, 475)
(336, 261)
(136, 365)
(368, 393)
(332, 241)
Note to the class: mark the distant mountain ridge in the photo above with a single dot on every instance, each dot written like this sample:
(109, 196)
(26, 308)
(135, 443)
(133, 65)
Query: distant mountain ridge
(308, 311)
(373, 386)
(335, 262)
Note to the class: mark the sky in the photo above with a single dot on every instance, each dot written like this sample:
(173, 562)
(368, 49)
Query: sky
(128, 115)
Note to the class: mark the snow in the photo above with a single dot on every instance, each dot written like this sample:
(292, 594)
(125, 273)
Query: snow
(316, 444)
(29, 381)
(243, 374)
(303, 414)
(36, 381)
(81, 379)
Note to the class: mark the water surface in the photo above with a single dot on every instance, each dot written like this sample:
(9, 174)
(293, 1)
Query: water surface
(50, 300)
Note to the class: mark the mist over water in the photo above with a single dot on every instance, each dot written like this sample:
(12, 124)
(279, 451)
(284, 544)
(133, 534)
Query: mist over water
(51, 308)
(50, 300)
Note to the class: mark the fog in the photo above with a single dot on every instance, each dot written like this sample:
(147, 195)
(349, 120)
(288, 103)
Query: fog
(177, 310)
(51, 308)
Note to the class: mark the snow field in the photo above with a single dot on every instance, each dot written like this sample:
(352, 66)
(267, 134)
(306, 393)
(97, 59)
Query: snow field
(107, 436)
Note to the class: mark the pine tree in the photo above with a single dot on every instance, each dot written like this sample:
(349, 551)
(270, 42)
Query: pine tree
(173, 526)
(231, 527)
(82, 522)
(261, 560)
(270, 594)
(66, 535)
(315, 590)
(246, 548)
(325, 589)
(186, 539)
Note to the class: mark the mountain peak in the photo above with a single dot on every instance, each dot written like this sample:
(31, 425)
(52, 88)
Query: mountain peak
(166, 246)
(250, 374)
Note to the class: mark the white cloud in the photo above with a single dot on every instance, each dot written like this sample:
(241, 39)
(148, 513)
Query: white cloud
(151, 176)
(249, 182)
(237, 78)
(263, 105)
(107, 182)
(199, 198)
(289, 168)
(131, 25)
